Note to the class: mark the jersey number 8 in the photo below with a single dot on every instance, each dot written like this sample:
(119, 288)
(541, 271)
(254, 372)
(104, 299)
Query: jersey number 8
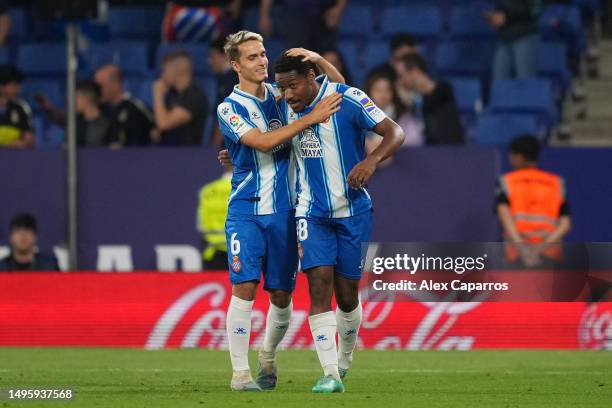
(302, 229)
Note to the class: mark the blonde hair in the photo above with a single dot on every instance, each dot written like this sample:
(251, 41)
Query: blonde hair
(233, 41)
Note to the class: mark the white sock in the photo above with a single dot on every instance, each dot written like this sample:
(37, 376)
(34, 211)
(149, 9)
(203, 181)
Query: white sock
(238, 326)
(323, 328)
(348, 328)
(277, 323)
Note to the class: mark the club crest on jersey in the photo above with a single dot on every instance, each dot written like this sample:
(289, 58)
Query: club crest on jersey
(236, 265)
(309, 143)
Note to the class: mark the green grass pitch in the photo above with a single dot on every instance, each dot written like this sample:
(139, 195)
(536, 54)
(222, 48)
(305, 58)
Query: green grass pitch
(200, 378)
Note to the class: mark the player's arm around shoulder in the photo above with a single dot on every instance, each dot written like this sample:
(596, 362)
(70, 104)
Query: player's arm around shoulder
(266, 141)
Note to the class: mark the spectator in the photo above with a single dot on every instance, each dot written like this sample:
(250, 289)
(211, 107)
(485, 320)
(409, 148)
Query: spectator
(92, 125)
(16, 129)
(516, 22)
(182, 117)
(226, 79)
(310, 24)
(439, 108)
(380, 88)
(532, 208)
(335, 58)
(131, 120)
(24, 255)
(212, 212)
(401, 44)
(5, 21)
(199, 20)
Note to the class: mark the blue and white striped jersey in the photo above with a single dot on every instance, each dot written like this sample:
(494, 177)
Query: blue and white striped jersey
(263, 183)
(326, 153)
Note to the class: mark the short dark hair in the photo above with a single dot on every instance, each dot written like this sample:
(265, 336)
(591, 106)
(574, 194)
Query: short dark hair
(527, 146)
(10, 73)
(414, 61)
(23, 221)
(90, 89)
(285, 63)
(402, 39)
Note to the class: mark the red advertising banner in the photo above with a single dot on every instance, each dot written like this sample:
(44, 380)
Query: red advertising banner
(159, 310)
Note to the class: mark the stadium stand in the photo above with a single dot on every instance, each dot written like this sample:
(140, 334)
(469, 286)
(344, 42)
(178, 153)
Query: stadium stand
(455, 40)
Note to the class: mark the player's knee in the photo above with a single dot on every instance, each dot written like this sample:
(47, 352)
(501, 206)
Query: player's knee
(245, 290)
(280, 298)
(347, 302)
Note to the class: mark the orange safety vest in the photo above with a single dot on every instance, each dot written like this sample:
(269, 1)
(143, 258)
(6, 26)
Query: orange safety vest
(535, 197)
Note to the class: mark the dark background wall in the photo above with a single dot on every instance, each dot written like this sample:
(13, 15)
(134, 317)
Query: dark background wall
(144, 198)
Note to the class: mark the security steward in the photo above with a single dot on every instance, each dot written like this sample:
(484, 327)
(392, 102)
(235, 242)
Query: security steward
(532, 208)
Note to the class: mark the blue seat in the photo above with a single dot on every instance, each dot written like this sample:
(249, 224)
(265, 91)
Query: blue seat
(468, 94)
(54, 89)
(563, 23)
(468, 22)
(553, 65)
(357, 22)
(42, 59)
(424, 22)
(375, 53)
(198, 53)
(132, 84)
(349, 49)
(497, 130)
(208, 85)
(135, 22)
(130, 56)
(145, 92)
(533, 96)
(19, 28)
(48, 135)
(471, 58)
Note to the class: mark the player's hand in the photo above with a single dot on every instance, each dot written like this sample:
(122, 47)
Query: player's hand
(224, 157)
(324, 109)
(361, 173)
(306, 54)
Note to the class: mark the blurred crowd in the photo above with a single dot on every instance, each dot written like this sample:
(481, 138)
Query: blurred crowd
(178, 112)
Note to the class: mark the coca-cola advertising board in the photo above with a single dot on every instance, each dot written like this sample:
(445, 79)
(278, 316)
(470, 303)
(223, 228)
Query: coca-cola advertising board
(160, 310)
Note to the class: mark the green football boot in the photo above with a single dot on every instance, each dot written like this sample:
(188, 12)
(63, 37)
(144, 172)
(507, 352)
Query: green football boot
(327, 385)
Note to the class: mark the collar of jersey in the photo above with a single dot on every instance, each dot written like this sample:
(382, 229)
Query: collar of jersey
(253, 97)
(324, 81)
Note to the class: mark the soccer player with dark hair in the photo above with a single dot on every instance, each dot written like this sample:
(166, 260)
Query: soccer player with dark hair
(260, 225)
(532, 208)
(334, 210)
